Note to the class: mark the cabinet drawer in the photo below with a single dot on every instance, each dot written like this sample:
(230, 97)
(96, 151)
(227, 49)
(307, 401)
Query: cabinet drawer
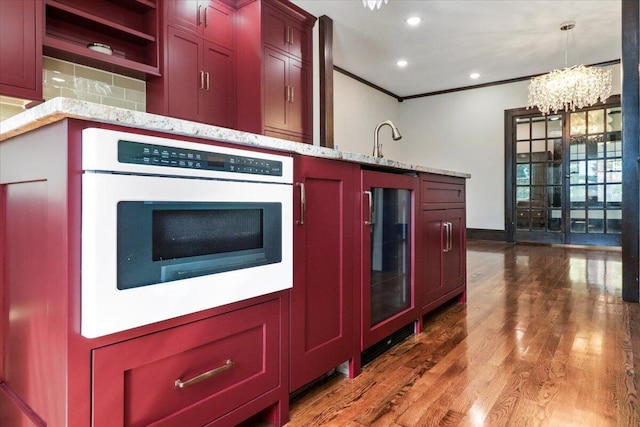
(442, 192)
(134, 382)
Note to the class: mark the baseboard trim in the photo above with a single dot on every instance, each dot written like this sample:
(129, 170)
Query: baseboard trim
(483, 234)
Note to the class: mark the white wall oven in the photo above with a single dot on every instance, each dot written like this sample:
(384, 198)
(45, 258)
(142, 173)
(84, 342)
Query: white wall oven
(172, 227)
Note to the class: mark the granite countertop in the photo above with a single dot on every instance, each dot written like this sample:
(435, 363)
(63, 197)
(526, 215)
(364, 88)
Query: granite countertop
(62, 108)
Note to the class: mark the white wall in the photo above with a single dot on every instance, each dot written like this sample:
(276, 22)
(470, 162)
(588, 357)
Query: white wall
(357, 111)
(461, 131)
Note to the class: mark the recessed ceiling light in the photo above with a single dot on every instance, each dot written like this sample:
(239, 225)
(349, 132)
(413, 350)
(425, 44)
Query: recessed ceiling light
(402, 63)
(474, 76)
(413, 20)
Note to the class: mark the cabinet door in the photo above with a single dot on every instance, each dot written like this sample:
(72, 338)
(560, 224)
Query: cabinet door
(276, 69)
(432, 244)
(217, 23)
(322, 294)
(299, 111)
(287, 34)
(275, 29)
(388, 236)
(184, 74)
(300, 40)
(218, 101)
(442, 254)
(21, 48)
(454, 262)
(184, 13)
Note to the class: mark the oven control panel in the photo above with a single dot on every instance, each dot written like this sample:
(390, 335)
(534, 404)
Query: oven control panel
(175, 157)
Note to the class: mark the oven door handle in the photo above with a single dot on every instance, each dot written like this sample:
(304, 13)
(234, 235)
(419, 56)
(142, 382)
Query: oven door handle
(303, 203)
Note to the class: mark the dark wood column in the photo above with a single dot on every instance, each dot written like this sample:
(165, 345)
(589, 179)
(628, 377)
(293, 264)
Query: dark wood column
(325, 26)
(630, 142)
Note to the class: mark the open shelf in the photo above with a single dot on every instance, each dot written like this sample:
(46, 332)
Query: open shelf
(129, 27)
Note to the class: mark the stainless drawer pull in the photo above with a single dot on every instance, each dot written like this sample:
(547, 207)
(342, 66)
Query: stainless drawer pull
(182, 384)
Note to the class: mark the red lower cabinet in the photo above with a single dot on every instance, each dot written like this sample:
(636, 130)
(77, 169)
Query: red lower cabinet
(443, 258)
(441, 253)
(191, 374)
(322, 294)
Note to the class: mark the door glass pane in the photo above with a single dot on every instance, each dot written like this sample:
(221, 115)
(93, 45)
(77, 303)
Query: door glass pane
(596, 222)
(554, 174)
(554, 127)
(539, 147)
(538, 219)
(596, 121)
(555, 223)
(578, 221)
(538, 173)
(595, 171)
(522, 151)
(596, 195)
(614, 119)
(595, 146)
(614, 221)
(555, 196)
(577, 150)
(522, 222)
(578, 123)
(390, 253)
(614, 146)
(522, 195)
(578, 172)
(614, 171)
(614, 195)
(538, 128)
(522, 130)
(523, 174)
(577, 195)
(554, 147)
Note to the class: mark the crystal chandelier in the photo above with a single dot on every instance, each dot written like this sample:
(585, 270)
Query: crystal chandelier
(569, 88)
(374, 4)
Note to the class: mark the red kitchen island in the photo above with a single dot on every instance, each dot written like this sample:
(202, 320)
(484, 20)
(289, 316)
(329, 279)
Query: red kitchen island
(222, 365)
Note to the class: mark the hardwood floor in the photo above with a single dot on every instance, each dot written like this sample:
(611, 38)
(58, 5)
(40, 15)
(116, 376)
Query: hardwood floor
(544, 340)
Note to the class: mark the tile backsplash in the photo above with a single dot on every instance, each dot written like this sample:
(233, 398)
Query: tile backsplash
(62, 78)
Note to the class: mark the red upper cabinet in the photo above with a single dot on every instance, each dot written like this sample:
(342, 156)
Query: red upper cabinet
(211, 19)
(21, 48)
(287, 90)
(198, 79)
(284, 33)
(280, 77)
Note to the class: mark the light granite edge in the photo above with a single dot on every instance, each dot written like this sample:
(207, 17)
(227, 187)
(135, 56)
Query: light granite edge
(61, 108)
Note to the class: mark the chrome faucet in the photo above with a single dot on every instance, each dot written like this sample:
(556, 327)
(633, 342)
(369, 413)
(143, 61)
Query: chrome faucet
(377, 146)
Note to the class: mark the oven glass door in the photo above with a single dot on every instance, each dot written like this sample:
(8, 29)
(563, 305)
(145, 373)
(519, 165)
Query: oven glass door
(165, 241)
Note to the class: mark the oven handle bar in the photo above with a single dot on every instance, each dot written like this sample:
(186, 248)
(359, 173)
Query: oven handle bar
(303, 203)
(205, 376)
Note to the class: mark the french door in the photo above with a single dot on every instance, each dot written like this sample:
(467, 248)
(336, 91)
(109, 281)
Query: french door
(564, 176)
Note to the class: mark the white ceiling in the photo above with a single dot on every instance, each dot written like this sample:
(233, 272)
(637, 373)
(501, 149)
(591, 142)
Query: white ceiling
(500, 39)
